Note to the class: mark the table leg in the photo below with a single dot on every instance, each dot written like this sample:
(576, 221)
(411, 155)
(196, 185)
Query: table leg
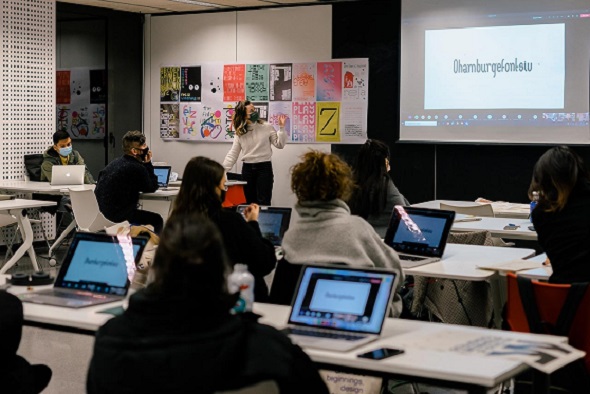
(62, 236)
(27, 246)
(498, 287)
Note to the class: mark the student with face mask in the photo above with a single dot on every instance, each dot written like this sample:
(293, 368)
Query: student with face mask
(202, 191)
(254, 138)
(122, 180)
(61, 154)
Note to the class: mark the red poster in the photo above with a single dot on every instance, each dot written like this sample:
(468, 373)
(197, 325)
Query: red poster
(234, 82)
(62, 89)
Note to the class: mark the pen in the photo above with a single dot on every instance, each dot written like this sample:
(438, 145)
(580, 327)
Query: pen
(468, 220)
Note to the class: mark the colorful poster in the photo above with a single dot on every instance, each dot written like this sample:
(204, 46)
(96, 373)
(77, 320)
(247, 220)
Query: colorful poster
(328, 122)
(86, 122)
(62, 89)
(278, 108)
(98, 87)
(257, 82)
(233, 82)
(169, 84)
(304, 81)
(169, 121)
(303, 126)
(189, 121)
(353, 121)
(329, 81)
(213, 126)
(281, 82)
(190, 83)
(356, 77)
(226, 121)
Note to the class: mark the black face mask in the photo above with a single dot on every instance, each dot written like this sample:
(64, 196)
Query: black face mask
(143, 153)
(222, 196)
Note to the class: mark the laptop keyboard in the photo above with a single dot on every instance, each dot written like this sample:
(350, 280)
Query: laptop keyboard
(325, 334)
(411, 258)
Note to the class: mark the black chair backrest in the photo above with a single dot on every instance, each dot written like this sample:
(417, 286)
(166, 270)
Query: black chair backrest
(33, 166)
(284, 282)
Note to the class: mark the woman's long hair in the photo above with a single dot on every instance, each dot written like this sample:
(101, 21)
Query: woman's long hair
(198, 192)
(240, 118)
(371, 178)
(557, 172)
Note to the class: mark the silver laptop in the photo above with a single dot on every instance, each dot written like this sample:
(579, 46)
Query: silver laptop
(96, 270)
(273, 222)
(418, 235)
(67, 175)
(340, 308)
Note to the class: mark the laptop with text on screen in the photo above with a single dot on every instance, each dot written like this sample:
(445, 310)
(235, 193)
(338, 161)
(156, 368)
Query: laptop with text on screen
(419, 235)
(273, 222)
(67, 175)
(340, 308)
(96, 270)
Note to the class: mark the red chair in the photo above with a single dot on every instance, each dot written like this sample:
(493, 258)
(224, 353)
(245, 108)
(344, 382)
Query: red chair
(550, 299)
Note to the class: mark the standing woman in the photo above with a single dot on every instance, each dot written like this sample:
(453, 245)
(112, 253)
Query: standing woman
(562, 215)
(375, 195)
(254, 138)
(202, 191)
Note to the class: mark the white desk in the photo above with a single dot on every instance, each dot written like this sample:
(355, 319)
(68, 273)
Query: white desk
(543, 272)
(501, 209)
(17, 209)
(496, 227)
(477, 373)
(461, 261)
(39, 187)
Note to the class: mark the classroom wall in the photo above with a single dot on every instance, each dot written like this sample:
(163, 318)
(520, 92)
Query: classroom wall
(280, 34)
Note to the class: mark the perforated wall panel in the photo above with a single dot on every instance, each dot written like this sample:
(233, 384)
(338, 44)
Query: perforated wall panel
(27, 70)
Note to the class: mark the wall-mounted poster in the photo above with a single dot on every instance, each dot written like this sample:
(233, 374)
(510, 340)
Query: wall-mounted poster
(81, 96)
(322, 101)
(190, 83)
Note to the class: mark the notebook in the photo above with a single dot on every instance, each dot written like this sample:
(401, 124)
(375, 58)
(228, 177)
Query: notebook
(340, 308)
(163, 174)
(67, 175)
(273, 222)
(418, 235)
(96, 270)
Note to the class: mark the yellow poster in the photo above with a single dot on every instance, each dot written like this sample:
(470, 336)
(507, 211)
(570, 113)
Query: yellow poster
(328, 122)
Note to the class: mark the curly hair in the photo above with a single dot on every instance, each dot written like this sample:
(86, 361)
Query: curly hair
(321, 176)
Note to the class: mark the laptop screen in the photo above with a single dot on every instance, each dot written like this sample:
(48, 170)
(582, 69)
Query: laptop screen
(419, 231)
(343, 298)
(163, 174)
(100, 263)
(273, 222)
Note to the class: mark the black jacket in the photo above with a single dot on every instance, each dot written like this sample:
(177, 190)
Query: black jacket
(245, 245)
(119, 185)
(565, 237)
(193, 346)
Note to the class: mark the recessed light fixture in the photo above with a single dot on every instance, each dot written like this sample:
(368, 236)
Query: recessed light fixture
(194, 2)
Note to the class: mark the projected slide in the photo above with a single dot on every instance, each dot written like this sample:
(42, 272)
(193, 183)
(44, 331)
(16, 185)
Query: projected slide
(495, 67)
(495, 71)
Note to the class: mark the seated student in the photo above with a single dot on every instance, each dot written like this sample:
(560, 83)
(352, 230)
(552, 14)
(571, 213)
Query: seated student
(62, 154)
(375, 195)
(202, 191)
(17, 376)
(562, 215)
(178, 336)
(121, 181)
(326, 232)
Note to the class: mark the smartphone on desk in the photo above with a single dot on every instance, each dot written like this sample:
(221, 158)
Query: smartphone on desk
(380, 354)
(511, 227)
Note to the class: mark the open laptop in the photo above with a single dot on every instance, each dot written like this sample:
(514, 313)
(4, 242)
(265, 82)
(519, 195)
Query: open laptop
(163, 174)
(340, 308)
(273, 222)
(96, 270)
(67, 175)
(419, 235)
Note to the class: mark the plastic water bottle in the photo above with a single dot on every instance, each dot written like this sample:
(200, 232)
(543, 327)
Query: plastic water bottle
(534, 204)
(242, 280)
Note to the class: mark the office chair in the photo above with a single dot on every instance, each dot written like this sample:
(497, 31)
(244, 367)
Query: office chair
(87, 214)
(484, 210)
(33, 166)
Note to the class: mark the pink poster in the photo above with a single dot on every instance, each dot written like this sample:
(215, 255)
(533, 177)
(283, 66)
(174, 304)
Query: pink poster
(234, 87)
(304, 82)
(303, 122)
(329, 81)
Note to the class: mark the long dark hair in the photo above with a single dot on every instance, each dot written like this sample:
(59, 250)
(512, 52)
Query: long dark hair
(557, 172)
(372, 179)
(198, 189)
(190, 261)
(240, 118)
